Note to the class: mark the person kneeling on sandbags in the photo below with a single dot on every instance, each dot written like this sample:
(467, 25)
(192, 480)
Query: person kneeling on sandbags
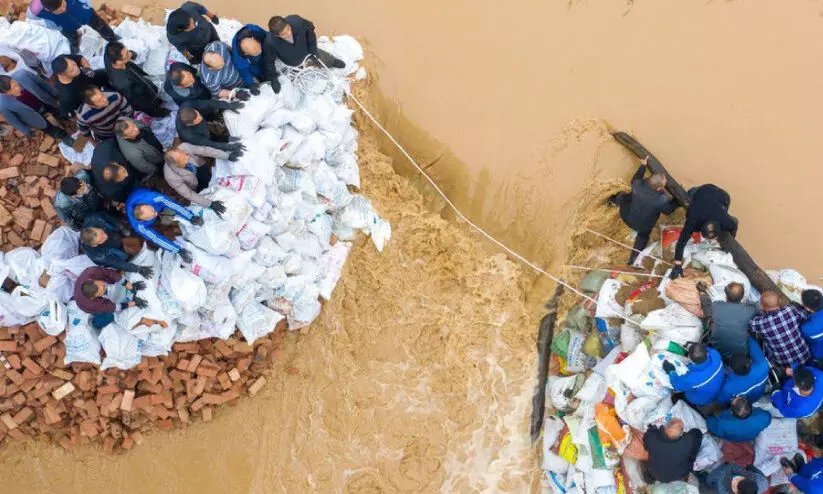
(102, 291)
(704, 376)
(188, 174)
(144, 207)
(741, 423)
(292, 40)
(807, 477)
(192, 125)
(672, 452)
(109, 243)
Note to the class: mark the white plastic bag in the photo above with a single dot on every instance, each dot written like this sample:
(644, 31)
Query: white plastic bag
(186, 288)
(81, 339)
(256, 320)
(122, 349)
(54, 319)
(674, 323)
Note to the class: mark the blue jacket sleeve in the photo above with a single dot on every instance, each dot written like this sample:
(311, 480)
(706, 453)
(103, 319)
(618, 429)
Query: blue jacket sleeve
(779, 402)
(802, 483)
(151, 235)
(685, 382)
(179, 210)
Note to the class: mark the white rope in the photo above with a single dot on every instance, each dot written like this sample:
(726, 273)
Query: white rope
(455, 208)
(628, 247)
(586, 268)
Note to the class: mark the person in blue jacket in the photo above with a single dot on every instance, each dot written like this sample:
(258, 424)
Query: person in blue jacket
(807, 477)
(143, 208)
(102, 240)
(748, 377)
(802, 395)
(67, 16)
(704, 377)
(247, 54)
(812, 329)
(741, 423)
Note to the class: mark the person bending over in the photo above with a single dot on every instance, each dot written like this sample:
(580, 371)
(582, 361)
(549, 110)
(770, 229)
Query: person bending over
(192, 127)
(704, 376)
(741, 423)
(802, 395)
(102, 292)
(68, 16)
(76, 199)
(671, 452)
(183, 85)
(247, 54)
(189, 30)
(219, 74)
(132, 82)
(748, 377)
(24, 102)
(144, 208)
(188, 174)
(779, 327)
(731, 478)
(106, 242)
(113, 176)
(139, 146)
(807, 477)
(729, 320)
(812, 329)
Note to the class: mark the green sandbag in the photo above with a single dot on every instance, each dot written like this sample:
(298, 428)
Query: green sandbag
(560, 344)
(592, 282)
(579, 318)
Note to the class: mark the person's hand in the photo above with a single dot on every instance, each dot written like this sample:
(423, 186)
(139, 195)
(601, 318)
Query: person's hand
(187, 54)
(233, 139)
(218, 207)
(701, 287)
(255, 89)
(242, 95)
(236, 105)
(138, 286)
(789, 371)
(197, 220)
(677, 272)
(235, 155)
(645, 161)
(186, 256)
(84, 63)
(275, 85)
(215, 19)
(140, 303)
(145, 271)
(668, 367)
(127, 285)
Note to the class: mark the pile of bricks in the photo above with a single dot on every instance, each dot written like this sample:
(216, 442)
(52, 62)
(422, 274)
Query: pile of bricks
(40, 397)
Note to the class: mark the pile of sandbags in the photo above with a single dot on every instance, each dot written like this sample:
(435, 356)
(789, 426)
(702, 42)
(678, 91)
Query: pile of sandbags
(608, 380)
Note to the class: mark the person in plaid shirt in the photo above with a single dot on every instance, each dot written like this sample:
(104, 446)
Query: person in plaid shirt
(780, 329)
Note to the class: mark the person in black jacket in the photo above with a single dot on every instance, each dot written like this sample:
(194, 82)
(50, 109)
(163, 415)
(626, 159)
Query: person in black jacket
(709, 214)
(74, 75)
(641, 208)
(192, 127)
(190, 32)
(130, 81)
(183, 85)
(114, 178)
(292, 40)
(102, 240)
(671, 452)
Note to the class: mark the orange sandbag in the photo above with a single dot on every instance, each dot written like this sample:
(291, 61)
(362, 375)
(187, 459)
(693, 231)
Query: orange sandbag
(636, 449)
(684, 291)
(608, 427)
(670, 234)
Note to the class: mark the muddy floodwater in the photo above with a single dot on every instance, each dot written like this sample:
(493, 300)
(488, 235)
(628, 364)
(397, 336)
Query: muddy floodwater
(417, 376)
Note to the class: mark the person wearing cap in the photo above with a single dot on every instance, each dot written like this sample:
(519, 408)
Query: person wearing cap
(748, 376)
(739, 424)
(703, 378)
(708, 213)
(189, 30)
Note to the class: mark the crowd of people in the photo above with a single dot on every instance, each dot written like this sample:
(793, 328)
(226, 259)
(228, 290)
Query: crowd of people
(114, 203)
(746, 351)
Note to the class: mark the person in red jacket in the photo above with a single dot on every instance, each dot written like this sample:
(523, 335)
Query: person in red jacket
(102, 292)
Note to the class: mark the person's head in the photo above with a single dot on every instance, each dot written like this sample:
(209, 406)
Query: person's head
(769, 301)
(74, 187)
(65, 66)
(94, 96)
(698, 353)
(7, 63)
(710, 229)
(741, 364)
(127, 129)
(93, 236)
(117, 53)
(279, 27)
(93, 289)
(181, 78)
(180, 21)
(54, 6)
(734, 292)
(741, 407)
(176, 157)
(674, 428)
(804, 381)
(9, 86)
(811, 299)
(144, 212)
(189, 116)
(213, 60)
(115, 173)
(742, 485)
(657, 181)
(250, 46)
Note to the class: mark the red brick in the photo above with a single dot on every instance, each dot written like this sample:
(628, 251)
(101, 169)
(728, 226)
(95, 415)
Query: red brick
(11, 172)
(32, 366)
(8, 346)
(128, 400)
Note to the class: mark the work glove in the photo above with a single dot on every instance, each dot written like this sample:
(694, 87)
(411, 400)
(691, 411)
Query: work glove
(186, 256)
(233, 139)
(255, 89)
(677, 272)
(197, 221)
(236, 105)
(218, 207)
(701, 287)
(235, 155)
(242, 95)
(215, 19)
(275, 85)
(138, 286)
(141, 303)
(145, 271)
(668, 368)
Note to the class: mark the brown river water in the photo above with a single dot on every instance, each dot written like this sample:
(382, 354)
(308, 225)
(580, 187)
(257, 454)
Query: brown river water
(417, 376)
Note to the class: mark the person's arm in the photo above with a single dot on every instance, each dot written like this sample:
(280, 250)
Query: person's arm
(178, 209)
(706, 305)
(269, 57)
(179, 186)
(639, 174)
(311, 37)
(195, 7)
(779, 402)
(697, 435)
(13, 120)
(802, 483)
(151, 235)
(125, 108)
(203, 151)
(108, 275)
(115, 259)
